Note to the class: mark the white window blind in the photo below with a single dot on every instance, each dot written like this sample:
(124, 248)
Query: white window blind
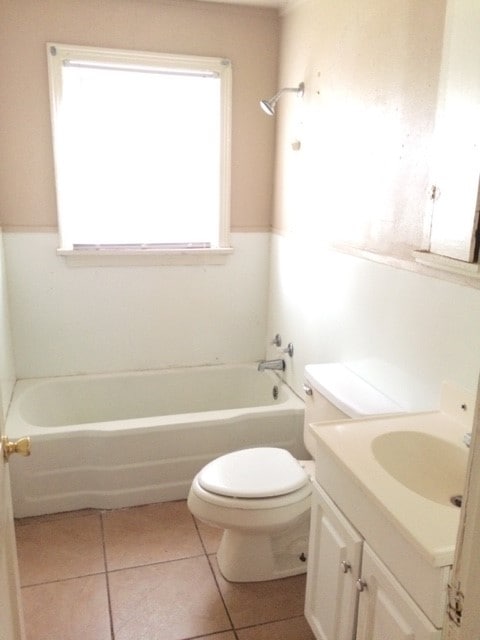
(141, 146)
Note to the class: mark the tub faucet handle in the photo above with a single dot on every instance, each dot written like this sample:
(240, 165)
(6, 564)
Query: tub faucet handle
(277, 341)
(289, 349)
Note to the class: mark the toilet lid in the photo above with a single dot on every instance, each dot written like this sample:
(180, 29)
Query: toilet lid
(261, 472)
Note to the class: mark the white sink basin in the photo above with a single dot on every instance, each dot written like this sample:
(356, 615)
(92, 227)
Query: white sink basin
(426, 464)
(405, 467)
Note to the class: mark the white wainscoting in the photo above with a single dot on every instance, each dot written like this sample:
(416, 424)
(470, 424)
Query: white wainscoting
(68, 320)
(404, 333)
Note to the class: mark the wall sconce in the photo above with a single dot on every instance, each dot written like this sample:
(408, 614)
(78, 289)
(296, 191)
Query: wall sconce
(269, 105)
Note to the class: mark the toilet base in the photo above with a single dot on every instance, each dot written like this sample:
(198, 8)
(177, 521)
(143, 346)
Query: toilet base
(256, 557)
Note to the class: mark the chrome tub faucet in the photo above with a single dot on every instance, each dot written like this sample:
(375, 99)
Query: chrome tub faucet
(277, 365)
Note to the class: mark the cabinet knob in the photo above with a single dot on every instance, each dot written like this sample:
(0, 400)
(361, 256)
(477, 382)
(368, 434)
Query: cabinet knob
(360, 584)
(308, 389)
(346, 566)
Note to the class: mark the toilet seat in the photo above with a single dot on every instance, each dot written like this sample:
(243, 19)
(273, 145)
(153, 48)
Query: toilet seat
(258, 473)
(230, 504)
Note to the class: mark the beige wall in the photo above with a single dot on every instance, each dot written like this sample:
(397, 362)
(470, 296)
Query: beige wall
(371, 71)
(246, 35)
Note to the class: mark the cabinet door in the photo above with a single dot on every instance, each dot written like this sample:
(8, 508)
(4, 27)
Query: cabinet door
(456, 153)
(333, 567)
(386, 611)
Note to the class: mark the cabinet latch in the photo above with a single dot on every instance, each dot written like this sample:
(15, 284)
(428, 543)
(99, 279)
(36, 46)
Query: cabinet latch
(455, 604)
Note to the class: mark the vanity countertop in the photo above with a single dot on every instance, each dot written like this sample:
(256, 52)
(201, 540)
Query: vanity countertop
(426, 523)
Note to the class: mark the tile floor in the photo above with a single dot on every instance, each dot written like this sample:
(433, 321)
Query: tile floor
(144, 573)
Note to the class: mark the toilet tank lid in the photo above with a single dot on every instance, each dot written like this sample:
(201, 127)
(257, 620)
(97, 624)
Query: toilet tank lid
(260, 472)
(347, 391)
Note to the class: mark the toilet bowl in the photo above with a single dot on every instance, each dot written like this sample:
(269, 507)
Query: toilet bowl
(261, 496)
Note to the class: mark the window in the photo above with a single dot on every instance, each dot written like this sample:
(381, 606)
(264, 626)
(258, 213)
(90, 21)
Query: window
(141, 145)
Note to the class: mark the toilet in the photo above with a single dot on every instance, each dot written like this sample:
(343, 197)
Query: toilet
(261, 496)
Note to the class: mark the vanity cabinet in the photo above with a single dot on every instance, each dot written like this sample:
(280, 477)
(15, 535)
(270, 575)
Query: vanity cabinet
(351, 595)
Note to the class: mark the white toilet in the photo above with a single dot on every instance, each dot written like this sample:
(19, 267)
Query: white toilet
(261, 496)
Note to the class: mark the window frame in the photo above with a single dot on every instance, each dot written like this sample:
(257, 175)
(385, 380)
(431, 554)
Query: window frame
(112, 255)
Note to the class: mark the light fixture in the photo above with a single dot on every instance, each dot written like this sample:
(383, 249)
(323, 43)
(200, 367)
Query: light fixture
(269, 105)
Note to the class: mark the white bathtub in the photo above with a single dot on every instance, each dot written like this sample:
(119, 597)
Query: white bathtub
(116, 440)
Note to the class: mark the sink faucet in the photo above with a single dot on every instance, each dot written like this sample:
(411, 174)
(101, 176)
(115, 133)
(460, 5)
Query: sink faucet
(272, 364)
(467, 439)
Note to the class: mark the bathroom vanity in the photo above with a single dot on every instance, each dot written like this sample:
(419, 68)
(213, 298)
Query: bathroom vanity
(383, 528)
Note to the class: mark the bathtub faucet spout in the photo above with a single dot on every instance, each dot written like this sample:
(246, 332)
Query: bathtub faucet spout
(278, 365)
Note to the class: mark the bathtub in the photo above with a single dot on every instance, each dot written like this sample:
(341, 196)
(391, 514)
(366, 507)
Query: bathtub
(116, 440)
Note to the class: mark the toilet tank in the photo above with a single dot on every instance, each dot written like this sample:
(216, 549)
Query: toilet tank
(333, 392)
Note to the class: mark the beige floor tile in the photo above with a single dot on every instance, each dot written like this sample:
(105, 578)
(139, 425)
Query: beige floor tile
(74, 609)
(167, 601)
(251, 603)
(211, 536)
(59, 549)
(293, 629)
(148, 534)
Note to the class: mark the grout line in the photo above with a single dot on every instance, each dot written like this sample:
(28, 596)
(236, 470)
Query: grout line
(67, 579)
(213, 634)
(112, 633)
(267, 622)
(195, 524)
(221, 594)
(215, 577)
(155, 563)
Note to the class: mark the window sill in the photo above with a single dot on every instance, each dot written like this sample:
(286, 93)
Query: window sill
(144, 257)
(436, 261)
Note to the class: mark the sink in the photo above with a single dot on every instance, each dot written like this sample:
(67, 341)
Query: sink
(395, 476)
(426, 464)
